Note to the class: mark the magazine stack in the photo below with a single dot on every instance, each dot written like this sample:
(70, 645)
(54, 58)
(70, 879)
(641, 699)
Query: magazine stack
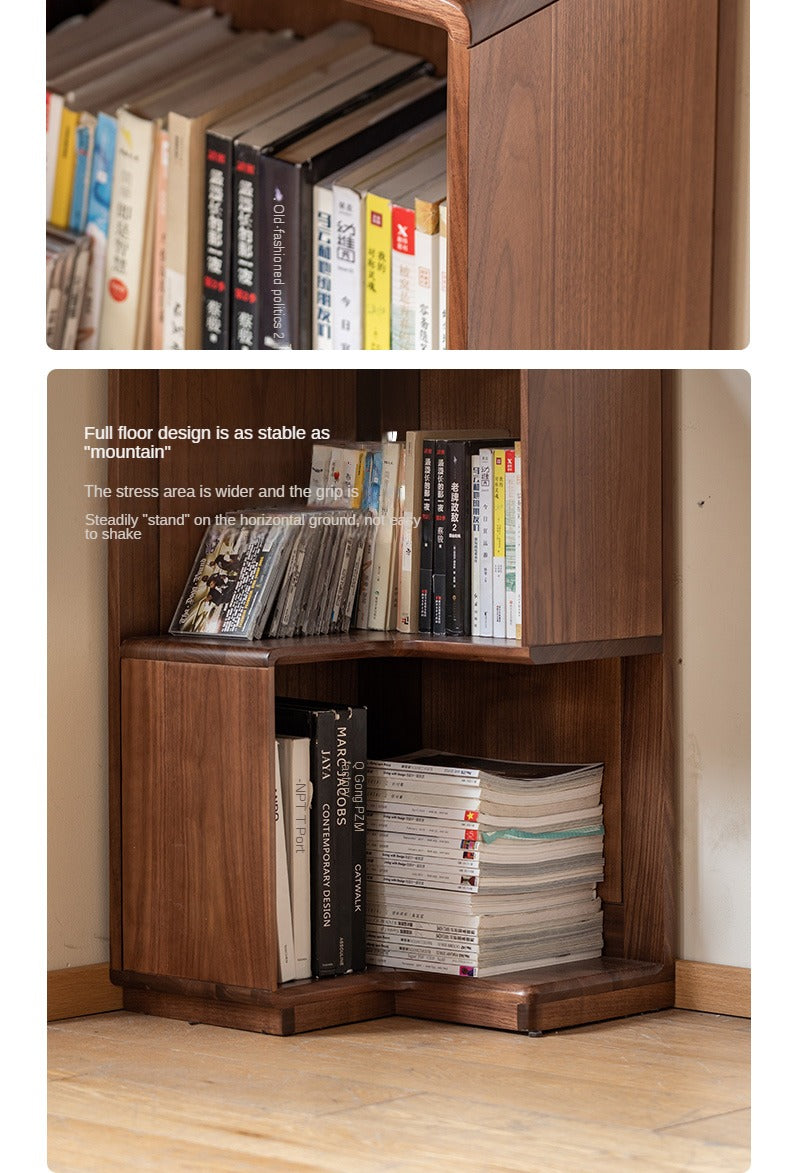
(480, 867)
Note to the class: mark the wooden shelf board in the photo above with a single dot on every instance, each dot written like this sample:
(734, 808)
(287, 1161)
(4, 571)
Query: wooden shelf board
(361, 645)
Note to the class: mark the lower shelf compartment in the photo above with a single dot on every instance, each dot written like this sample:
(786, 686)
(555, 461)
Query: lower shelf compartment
(528, 1001)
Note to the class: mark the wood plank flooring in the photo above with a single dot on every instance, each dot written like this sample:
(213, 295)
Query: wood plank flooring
(665, 1091)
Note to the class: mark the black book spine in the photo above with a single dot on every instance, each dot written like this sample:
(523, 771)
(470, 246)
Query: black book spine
(219, 228)
(358, 751)
(439, 577)
(245, 251)
(426, 536)
(321, 727)
(342, 895)
(279, 220)
(458, 532)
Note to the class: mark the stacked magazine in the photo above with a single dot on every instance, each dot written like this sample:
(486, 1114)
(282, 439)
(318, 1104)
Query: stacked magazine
(480, 867)
(282, 573)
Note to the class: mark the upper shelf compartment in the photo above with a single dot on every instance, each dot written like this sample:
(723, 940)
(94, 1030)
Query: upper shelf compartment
(465, 21)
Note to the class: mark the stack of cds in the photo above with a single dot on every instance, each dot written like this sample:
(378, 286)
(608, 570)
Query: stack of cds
(480, 867)
(278, 574)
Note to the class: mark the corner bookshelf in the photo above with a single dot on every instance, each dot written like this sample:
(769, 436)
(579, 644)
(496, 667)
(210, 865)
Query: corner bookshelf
(193, 931)
(590, 163)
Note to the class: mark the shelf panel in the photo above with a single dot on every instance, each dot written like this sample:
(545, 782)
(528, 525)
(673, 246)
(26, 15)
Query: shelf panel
(466, 21)
(364, 645)
(533, 1000)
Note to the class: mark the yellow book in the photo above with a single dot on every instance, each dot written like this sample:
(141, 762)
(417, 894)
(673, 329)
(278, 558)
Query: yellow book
(359, 480)
(378, 266)
(498, 561)
(64, 173)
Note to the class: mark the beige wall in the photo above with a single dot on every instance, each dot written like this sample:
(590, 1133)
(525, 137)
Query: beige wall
(77, 710)
(713, 432)
(713, 598)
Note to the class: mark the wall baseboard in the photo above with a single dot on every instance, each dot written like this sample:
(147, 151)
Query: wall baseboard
(85, 989)
(717, 989)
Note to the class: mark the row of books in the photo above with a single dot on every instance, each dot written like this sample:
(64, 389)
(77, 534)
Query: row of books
(420, 535)
(320, 797)
(246, 190)
(448, 539)
(479, 867)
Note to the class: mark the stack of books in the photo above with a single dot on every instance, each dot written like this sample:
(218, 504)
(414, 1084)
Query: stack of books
(189, 155)
(321, 872)
(480, 867)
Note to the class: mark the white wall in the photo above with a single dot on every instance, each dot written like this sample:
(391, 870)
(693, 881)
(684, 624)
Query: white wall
(713, 597)
(77, 835)
(713, 431)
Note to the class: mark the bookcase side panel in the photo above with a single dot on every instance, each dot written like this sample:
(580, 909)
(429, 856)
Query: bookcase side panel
(198, 831)
(593, 505)
(591, 154)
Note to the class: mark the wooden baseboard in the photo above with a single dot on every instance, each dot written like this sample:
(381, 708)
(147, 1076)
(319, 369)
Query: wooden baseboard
(85, 989)
(717, 989)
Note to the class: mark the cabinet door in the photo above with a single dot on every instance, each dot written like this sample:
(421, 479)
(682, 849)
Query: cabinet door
(198, 822)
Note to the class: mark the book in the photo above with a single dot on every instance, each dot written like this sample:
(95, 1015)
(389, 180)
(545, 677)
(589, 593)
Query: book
(332, 883)
(519, 547)
(285, 935)
(187, 122)
(439, 561)
(426, 263)
(379, 202)
(289, 176)
(229, 590)
(427, 504)
(97, 227)
(486, 542)
(64, 168)
(498, 547)
(262, 126)
(378, 617)
(405, 273)
(83, 145)
(349, 190)
(512, 545)
(443, 276)
(294, 760)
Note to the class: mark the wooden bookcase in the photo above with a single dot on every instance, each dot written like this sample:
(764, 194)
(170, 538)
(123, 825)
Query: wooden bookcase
(193, 919)
(590, 164)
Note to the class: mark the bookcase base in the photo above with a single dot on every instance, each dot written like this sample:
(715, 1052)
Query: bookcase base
(535, 1001)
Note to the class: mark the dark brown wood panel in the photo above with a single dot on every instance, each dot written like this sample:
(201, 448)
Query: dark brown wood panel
(243, 399)
(591, 135)
(555, 713)
(485, 399)
(592, 506)
(198, 832)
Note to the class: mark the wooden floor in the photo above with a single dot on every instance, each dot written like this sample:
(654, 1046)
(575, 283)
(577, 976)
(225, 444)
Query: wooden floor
(666, 1091)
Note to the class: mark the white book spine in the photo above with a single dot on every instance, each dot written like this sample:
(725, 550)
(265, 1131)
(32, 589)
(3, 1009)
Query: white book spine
(426, 262)
(378, 619)
(475, 543)
(294, 755)
(404, 285)
(519, 547)
(319, 473)
(486, 543)
(443, 277)
(176, 310)
(511, 491)
(54, 112)
(285, 935)
(323, 206)
(347, 248)
(498, 559)
(127, 233)
(407, 555)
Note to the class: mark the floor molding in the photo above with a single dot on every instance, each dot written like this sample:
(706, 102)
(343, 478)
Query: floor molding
(83, 989)
(717, 989)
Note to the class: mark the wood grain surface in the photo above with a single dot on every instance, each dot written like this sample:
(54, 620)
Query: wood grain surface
(198, 827)
(666, 1091)
(591, 131)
